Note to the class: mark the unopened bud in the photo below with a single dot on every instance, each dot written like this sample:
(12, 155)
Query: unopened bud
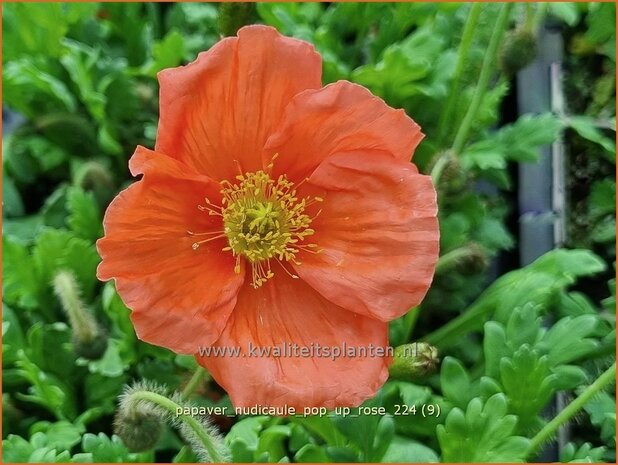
(447, 169)
(96, 178)
(518, 50)
(92, 349)
(139, 429)
(466, 260)
(473, 261)
(89, 339)
(414, 360)
(144, 408)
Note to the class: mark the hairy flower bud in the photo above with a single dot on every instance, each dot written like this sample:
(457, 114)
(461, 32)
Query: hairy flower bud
(414, 360)
(446, 168)
(89, 339)
(474, 261)
(96, 178)
(518, 50)
(145, 407)
(139, 428)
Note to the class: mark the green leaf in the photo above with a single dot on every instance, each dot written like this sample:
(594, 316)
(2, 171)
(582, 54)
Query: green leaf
(405, 450)
(567, 340)
(519, 141)
(524, 327)
(582, 454)
(54, 212)
(311, 453)
(110, 364)
(272, 443)
(364, 431)
(61, 435)
(602, 198)
(49, 348)
(568, 377)
(405, 68)
(493, 234)
(566, 11)
(23, 229)
(495, 347)
(84, 217)
(17, 449)
(47, 25)
(455, 382)
(26, 84)
(570, 263)
(80, 61)
(105, 449)
(528, 382)
(12, 205)
(12, 335)
(20, 285)
(46, 390)
(167, 53)
(602, 411)
(484, 433)
(58, 249)
(243, 438)
(46, 153)
(585, 126)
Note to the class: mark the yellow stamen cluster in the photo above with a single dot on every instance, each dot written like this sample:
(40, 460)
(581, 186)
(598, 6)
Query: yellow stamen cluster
(263, 220)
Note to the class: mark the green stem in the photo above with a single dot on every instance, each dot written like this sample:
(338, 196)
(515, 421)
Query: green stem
(529, 22)
(539, 17)
(198, 377)
(549, 430)
(183, 456)
(83, 324)
(172, 407)
(462, 55)
(411, 319)
(436, 171)
(470, 320)
(486, 71)
(450, 259)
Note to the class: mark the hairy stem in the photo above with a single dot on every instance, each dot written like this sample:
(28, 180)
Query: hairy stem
(436, 171)
(172, 407)
(486, 70)
(198, 377)
(450, 259)
(469, 320)
(462, 55)
(549, 430)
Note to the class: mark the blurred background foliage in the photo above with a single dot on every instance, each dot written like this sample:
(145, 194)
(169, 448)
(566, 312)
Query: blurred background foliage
(79, 80)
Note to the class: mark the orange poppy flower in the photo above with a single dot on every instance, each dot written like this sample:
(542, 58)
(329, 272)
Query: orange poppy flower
(273, 212)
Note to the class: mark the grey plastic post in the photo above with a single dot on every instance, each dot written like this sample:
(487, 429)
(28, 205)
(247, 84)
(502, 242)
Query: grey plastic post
(541, 193)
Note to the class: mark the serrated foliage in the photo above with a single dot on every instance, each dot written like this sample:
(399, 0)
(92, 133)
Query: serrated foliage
(483, 433)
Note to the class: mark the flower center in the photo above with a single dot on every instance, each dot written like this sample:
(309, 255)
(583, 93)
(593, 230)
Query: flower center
(263, 220)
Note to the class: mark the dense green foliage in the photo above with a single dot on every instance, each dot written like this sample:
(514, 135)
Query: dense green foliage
(83, 76)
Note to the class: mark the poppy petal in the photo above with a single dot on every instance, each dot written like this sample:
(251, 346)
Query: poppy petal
(179, 297)
(218, 111)
(378, 234)
(338, 118)
(287, 313)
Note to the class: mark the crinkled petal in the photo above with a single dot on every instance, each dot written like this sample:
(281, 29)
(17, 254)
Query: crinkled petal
(179, 297)
(340, 117)
(378, 234)
(217, 112)
(285, 312)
